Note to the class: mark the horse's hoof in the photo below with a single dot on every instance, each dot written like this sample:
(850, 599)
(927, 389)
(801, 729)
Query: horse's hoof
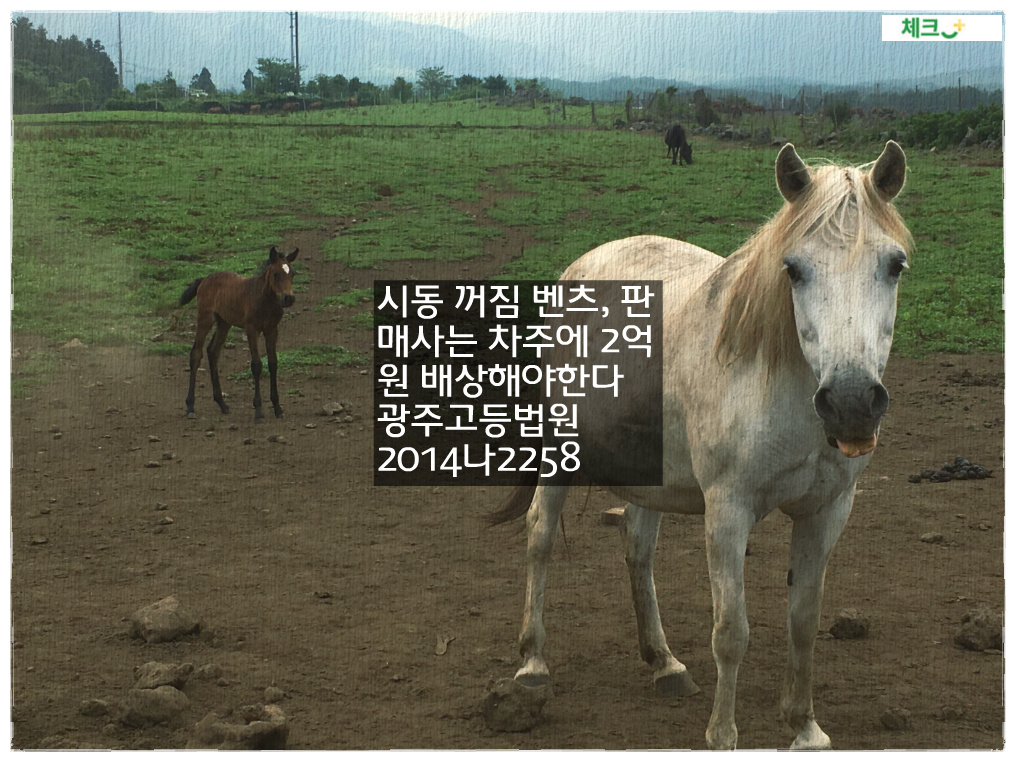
(531, 680)
(677, 684)
(812, 738)
(223, 407)
(279, 414)
(191, 414)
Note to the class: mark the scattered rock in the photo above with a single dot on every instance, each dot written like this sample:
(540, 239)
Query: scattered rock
(93, 708)
(153, 464)
(152, 706)
(933, 538)
(154, 673)
(163, 621)
(980, 630)
(74, 344)
(39, 540)
(441, 647)
(210, 671)
(509, 706)
(274, 694)
(849, 625)
(265, 728)
(895, 718)
(948, 713)
(331, 408)
(970, 139)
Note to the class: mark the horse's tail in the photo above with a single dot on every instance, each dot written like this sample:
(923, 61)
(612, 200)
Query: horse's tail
(517, 503)
(190, 292)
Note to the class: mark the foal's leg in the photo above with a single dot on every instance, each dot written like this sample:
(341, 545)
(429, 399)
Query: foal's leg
(204, 325)
(214, 346)
(255, 371)
(727, 527)
(271, 337)
(638, 533)
(542, 521)
(810, 545)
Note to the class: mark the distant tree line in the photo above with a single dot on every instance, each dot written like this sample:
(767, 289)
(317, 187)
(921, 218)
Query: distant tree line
(58, 75)
(69, 75)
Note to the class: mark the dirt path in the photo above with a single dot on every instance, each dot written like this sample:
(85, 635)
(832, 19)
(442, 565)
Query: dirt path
(308, 578)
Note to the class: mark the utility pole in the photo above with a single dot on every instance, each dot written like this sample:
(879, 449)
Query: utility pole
(959, 94)
(119, 42)
(294, 45)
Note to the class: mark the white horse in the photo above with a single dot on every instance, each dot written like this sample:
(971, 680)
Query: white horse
(772, 398)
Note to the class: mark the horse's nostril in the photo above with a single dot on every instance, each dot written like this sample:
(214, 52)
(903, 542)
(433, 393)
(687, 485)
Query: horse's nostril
(879, 401)
(824, 405)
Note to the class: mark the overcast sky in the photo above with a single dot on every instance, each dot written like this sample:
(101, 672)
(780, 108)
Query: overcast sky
(838, 48)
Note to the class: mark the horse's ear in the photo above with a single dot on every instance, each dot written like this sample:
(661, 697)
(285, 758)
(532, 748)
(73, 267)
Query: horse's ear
(792, 175)
(890, 172)
(292, 255)
(273, 255)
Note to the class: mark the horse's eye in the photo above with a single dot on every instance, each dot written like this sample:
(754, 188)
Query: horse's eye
(793, 272)
(896, 268)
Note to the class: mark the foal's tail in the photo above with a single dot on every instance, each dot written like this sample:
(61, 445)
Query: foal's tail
(190, 292)
(517, 503)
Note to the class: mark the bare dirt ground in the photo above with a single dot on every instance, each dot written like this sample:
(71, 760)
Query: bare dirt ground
(310, 579)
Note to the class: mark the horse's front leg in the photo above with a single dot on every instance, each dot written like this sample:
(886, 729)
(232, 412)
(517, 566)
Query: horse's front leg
(542, 522)
(728, 524)
(811, 543)
(271, 338)
(255, 371)
(639, 533)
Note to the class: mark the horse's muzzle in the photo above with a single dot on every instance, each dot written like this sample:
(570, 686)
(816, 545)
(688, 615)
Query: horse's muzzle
(287, 300)
(851, 408)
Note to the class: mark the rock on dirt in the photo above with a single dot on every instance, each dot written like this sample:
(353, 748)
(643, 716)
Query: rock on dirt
(509, 706)
(210, 671)
(151, 706)
(331, 408)
(163, 621)
(93, 708)
(895, 718)
(154, 674)
(980, 630)
(849, 625)
(265, 728)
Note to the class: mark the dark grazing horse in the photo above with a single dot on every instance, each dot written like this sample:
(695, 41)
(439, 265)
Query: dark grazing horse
(677, 144)
(255, 304)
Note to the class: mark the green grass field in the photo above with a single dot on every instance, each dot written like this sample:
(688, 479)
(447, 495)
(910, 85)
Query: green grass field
(115, 213)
